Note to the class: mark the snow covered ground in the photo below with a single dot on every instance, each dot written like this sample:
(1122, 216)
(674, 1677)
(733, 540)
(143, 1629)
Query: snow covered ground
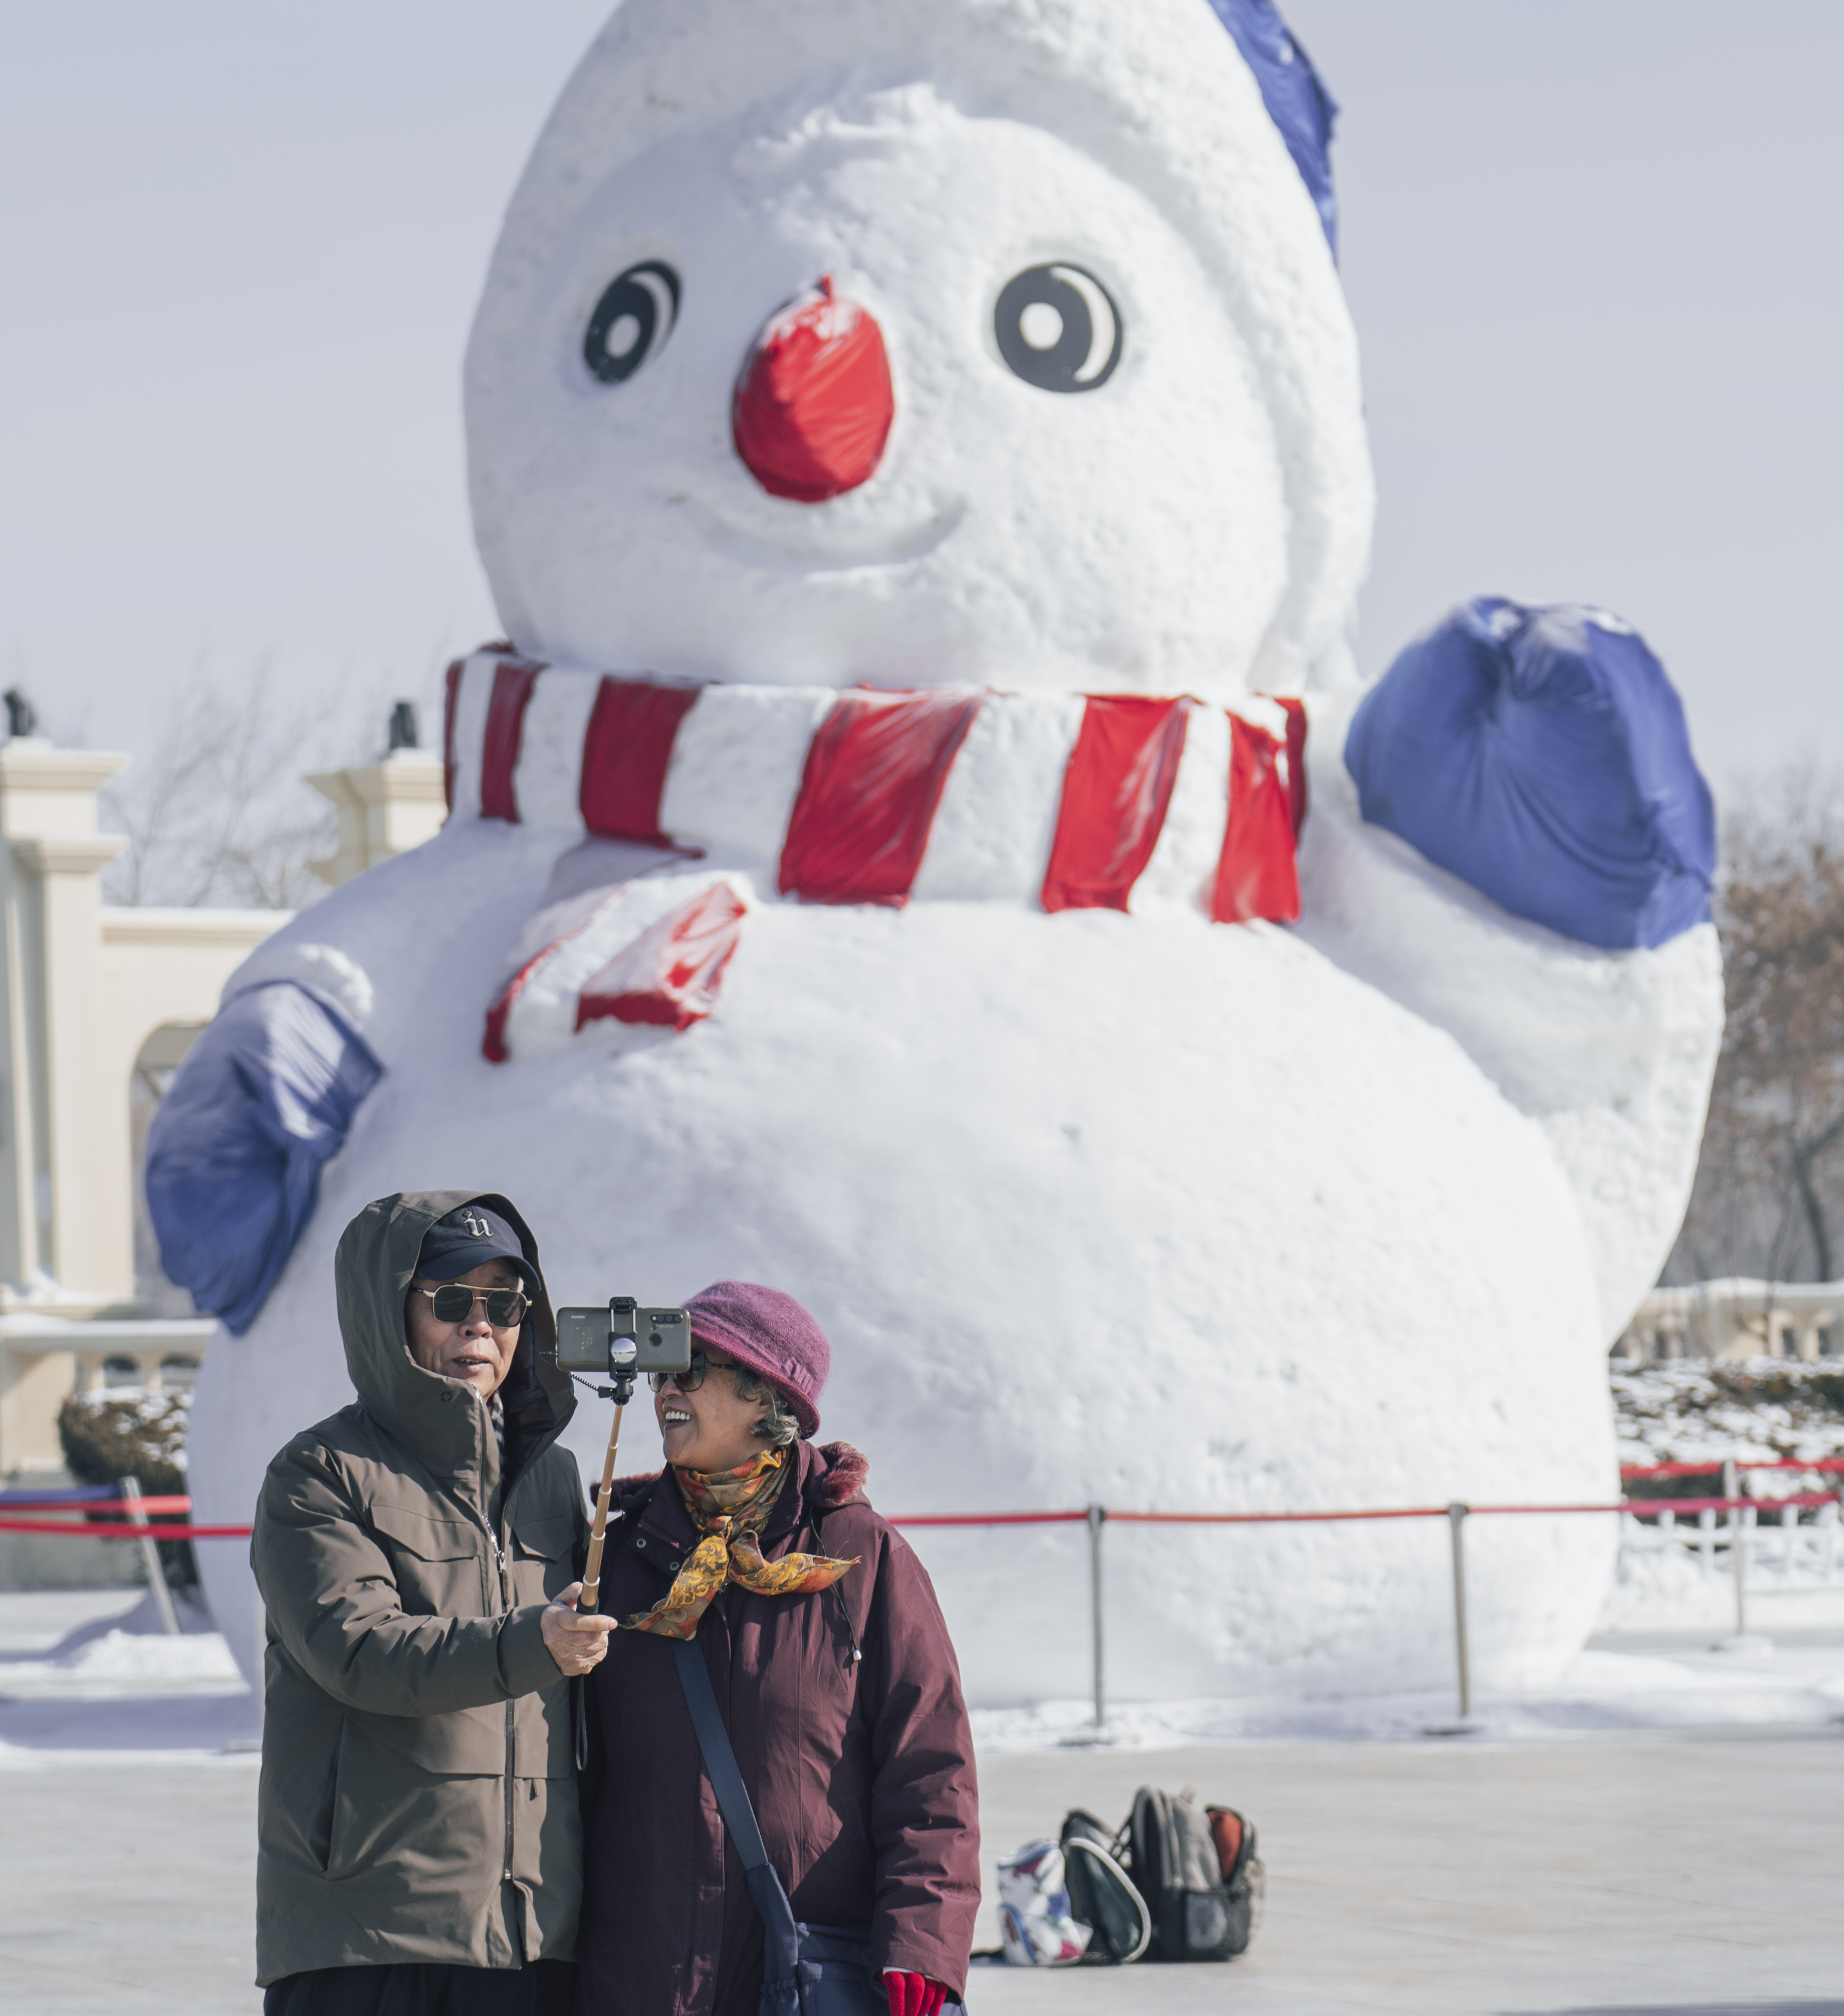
(1556, 1859)
(121, 1654)
(1656, 1837)
(1668, 1686)
(87, 1675)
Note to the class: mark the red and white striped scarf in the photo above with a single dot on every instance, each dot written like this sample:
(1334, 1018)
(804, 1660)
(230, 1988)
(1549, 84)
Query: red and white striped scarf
(1060, 800)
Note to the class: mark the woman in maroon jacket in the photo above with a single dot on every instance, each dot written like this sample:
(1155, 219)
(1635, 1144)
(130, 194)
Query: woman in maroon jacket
(835, 1676)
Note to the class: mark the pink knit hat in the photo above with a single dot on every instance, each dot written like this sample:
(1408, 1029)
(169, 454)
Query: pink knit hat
(771, 1334)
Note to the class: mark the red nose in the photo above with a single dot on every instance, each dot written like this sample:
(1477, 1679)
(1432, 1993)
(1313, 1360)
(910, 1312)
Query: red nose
(813, 406)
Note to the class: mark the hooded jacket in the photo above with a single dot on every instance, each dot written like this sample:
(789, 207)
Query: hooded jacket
(418, 1797)
(844, 1709)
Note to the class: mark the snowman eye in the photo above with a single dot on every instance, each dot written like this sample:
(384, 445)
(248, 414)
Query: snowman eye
(632, 321)
(1058, 329)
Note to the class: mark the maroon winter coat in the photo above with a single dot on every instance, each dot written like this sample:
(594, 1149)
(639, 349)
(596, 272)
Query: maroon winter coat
(861, 1773)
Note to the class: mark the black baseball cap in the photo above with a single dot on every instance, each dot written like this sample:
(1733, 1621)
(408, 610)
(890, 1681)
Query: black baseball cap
(458, 1243)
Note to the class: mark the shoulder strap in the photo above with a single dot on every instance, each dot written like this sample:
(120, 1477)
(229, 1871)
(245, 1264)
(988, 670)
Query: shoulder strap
(781, 1939)
(720, 1760)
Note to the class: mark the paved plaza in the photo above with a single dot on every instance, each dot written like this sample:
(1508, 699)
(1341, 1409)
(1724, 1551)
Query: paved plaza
(1683, 1873)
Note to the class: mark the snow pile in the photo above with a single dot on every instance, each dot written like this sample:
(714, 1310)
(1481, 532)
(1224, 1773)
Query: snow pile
(119, 1665)
(1669, 1587)
(126, 1656)
(1600, 1692)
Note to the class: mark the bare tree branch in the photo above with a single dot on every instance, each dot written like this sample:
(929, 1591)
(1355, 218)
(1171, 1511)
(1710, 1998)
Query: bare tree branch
(1771, 1179)
(217, 813)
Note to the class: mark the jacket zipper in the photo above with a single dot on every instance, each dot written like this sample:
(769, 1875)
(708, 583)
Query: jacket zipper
(505, 1608)
(511, 1743)
(511, 1738)
(511, 1712)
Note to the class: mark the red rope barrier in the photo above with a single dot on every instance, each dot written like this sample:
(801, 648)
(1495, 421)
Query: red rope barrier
(1646, 1506)
(1643, 1508)
(84, 1530)
(118, 1507)
(1277, 1518)
(111, 1504)
(1825, 1463)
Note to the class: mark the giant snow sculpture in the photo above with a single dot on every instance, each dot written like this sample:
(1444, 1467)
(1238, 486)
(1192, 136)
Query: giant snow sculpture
(917, 450)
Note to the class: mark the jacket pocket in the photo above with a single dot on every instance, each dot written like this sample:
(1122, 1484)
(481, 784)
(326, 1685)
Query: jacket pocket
(542, 1557)
(436, 1831)
(467, 1742)
(437, 1562)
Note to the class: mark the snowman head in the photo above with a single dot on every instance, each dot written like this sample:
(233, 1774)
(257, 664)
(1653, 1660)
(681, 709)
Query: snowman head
(924, 343)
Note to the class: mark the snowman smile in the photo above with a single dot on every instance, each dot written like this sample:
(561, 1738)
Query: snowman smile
(815, 542)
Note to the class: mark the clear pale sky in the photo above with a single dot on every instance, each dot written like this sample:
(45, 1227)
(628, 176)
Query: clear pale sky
(1589, 245)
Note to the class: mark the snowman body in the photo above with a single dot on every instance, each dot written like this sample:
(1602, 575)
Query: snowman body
(760, 958)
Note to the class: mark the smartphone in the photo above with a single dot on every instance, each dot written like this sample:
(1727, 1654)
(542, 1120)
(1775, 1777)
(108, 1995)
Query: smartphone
(599, 1339)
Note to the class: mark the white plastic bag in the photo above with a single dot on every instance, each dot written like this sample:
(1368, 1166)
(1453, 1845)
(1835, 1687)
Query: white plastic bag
(1036, 1923)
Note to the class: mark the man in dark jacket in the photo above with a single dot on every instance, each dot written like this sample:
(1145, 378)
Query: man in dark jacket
(419, 1838)
(834, 1673)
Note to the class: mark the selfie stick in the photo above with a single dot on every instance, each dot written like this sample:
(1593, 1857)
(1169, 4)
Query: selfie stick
(620, 1393)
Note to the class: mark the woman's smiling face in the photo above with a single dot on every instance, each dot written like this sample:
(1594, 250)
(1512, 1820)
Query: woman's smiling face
(709, 1429)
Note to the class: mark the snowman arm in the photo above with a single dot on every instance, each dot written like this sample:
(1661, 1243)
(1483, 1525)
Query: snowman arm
(332, 1594)
(1512, 840)
(264, 1097)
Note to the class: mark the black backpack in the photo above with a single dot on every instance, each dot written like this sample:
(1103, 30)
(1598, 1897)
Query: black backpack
(1101, 1893)
(1175, 1883)
(1198, 1870)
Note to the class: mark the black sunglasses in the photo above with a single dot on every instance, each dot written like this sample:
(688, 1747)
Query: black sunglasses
(689, 1382)
(453, 1302)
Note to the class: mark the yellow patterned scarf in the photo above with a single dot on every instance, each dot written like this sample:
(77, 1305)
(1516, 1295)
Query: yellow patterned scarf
(729, 1507)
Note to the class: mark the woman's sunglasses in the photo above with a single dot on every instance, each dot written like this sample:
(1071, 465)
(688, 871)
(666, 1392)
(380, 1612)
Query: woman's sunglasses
(453, 1302)
(689, 1382)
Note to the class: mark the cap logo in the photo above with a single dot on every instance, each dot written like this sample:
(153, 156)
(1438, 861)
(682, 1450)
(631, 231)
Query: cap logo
(477, 1225)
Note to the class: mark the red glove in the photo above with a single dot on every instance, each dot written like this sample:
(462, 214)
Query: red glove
(913, 1994)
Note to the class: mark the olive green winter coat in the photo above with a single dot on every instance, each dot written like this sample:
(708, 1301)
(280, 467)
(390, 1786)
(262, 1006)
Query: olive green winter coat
(418, 1798)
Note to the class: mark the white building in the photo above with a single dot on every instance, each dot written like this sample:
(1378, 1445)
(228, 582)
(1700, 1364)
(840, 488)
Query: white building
(1730, 1321)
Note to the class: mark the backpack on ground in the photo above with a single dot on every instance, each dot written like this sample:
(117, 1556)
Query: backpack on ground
(1198, 1870)
(1177, 1882)
(1102, 1898)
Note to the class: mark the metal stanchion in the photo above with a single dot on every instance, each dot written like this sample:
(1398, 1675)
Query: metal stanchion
(1741, 1517)
(1738, 1546)
(1462, 1643)
(1463, 1723)
(1097, 1518)
(129, 1490)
